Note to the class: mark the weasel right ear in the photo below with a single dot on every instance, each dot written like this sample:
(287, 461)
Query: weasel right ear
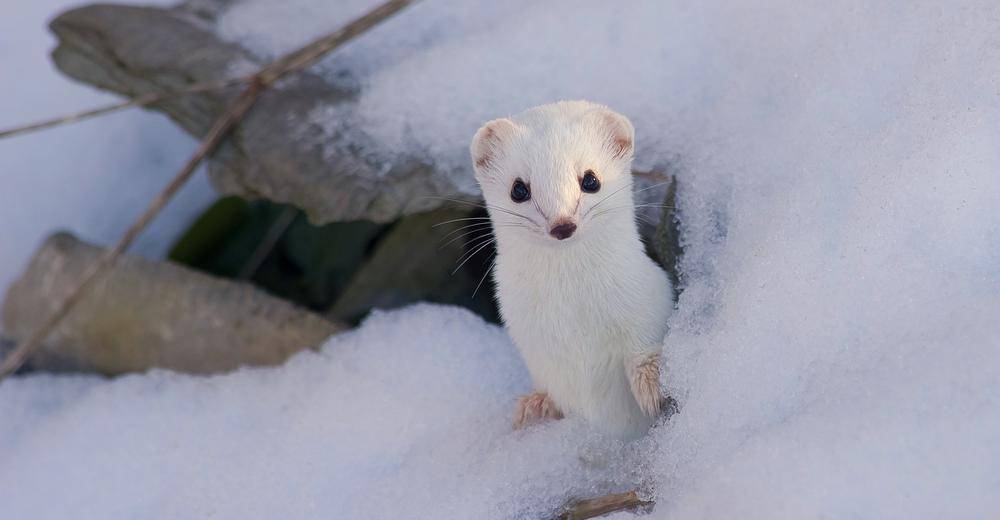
(487, 144)
(620, 134)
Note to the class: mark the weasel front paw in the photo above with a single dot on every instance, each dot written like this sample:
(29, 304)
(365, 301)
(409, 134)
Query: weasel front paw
(534, 408)
(645, 381)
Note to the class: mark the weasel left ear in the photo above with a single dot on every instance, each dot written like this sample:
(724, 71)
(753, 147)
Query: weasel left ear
(620, 133)
(487, 144)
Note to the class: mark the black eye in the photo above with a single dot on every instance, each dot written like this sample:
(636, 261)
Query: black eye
(589, 183)
(520, 191)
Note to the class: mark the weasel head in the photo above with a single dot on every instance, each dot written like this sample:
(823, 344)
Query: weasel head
(557, 172)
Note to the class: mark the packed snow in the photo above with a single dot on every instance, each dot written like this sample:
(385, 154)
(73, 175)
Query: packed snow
(407, 417)
(835, 352)
(92, 178)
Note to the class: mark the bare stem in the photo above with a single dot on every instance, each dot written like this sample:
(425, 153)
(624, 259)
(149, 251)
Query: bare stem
(139, 101)
(594, 507)
(274, 233)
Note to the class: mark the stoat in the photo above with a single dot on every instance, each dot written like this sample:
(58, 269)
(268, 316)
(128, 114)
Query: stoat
(585, 305)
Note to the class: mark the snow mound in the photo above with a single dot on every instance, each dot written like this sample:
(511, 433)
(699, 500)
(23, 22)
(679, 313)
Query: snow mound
(406, 417)
(837, 352)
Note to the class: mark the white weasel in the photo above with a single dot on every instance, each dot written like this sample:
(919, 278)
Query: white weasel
(584, 304)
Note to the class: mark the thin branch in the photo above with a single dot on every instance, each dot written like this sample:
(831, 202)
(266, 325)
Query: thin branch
(139, 101)
(594, 507)
(294, 61)
(263, 80)
(274, 233)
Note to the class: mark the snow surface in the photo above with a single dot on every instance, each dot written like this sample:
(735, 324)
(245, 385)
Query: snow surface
(407, 417)
(92, 178)
(836, 352)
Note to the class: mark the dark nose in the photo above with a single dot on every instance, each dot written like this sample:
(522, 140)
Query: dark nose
(563, 231)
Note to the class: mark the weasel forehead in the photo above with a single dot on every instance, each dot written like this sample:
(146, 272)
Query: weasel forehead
(559, 123)
(558, 151)
(559, 139)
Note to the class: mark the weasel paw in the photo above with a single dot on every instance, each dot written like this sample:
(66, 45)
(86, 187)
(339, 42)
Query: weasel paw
(534, 408)
(645, 380)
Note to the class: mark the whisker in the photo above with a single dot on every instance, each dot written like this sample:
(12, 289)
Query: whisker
(657, 185)
(477, 224)
(477, 250)
(646, 220)
(459, 237)
(636, 215)
(457, 201)
(487, 273)
(469, 226)
(619, 190)
(650, 205)
(507, 211)
(655, 205)
(604, 212)
(472, 244)
(613, 193)
(459, 220)
(480, 227)
(470, 203)
(613, 208)
(488, 206)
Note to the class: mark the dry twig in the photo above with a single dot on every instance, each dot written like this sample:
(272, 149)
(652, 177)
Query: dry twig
(138, 101)
(260, 82)
(594, 507)
(266, 245)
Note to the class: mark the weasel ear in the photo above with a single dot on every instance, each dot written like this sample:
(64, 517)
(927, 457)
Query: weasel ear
(488, 143)
(620, 133)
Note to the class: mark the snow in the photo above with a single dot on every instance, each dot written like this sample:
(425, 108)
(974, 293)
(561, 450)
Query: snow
(835, 353)
(406, 417)
(92, 178)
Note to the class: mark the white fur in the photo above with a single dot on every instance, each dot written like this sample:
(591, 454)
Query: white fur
(587, 310)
